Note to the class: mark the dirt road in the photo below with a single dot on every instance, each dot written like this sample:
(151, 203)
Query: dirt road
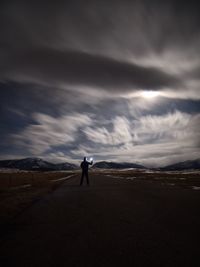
(114, 222)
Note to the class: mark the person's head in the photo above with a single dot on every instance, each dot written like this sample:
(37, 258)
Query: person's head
(85, 159)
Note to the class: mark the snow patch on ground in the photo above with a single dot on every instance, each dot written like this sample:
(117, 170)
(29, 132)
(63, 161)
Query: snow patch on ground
(63, 178)
(121, 177)
(20, 187)
(196, 187)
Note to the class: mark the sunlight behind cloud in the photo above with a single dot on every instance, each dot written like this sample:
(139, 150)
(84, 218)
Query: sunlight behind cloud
(150, 94)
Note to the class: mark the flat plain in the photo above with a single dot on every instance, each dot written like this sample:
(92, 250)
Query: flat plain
(124, 218)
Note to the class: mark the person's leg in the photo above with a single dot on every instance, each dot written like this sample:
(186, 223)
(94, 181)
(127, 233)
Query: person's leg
(87, 178)
(82, 178)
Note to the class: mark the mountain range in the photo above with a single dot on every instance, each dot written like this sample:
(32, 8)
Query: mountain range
(42, 165)
(185, 165)
(117, 165)
(36, 164)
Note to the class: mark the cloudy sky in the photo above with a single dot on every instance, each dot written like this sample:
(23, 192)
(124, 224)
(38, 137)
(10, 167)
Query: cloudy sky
(116, 80)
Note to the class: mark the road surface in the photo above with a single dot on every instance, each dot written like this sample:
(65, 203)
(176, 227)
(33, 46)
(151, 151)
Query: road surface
(114, 222)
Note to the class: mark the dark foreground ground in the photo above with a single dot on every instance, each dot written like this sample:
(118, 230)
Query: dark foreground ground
(114, 222)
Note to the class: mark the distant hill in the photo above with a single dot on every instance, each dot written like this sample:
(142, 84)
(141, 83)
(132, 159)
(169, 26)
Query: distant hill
(116, 165)
(38, 164)
(35, 164)
(66, 166)
(185, 165)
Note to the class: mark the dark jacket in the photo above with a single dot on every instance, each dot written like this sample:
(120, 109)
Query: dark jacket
(85, 165)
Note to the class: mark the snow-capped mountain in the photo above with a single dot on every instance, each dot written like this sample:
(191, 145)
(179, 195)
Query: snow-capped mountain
(35, 164)
(185, 165)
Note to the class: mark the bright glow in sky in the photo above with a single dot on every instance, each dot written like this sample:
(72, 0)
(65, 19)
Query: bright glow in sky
(149, 94)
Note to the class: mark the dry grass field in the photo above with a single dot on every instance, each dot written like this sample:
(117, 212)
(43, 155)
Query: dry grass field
(19, 189)
(183, 179)
(11, 179)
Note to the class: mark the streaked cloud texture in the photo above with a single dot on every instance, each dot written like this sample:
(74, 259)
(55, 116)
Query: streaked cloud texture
(73, 77)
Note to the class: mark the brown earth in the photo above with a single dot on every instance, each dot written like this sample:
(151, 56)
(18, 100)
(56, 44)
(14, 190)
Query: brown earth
(19, 190)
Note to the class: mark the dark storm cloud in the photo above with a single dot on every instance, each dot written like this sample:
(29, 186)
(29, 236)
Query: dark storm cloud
(47, 66)
(97, 43)
(161, 22)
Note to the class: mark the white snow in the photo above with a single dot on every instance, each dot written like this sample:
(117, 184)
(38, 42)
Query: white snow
(196, 187)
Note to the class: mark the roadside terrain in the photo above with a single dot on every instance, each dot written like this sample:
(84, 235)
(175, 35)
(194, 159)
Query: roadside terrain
(20, 189)
(124, 218)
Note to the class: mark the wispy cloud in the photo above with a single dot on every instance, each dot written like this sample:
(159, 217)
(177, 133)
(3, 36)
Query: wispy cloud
(120, 133)
(149, 138)
(48, 132)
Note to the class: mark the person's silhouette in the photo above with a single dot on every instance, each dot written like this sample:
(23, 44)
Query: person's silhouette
(84, 166)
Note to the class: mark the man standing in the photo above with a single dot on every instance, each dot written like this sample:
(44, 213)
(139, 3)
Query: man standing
(84, 166)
